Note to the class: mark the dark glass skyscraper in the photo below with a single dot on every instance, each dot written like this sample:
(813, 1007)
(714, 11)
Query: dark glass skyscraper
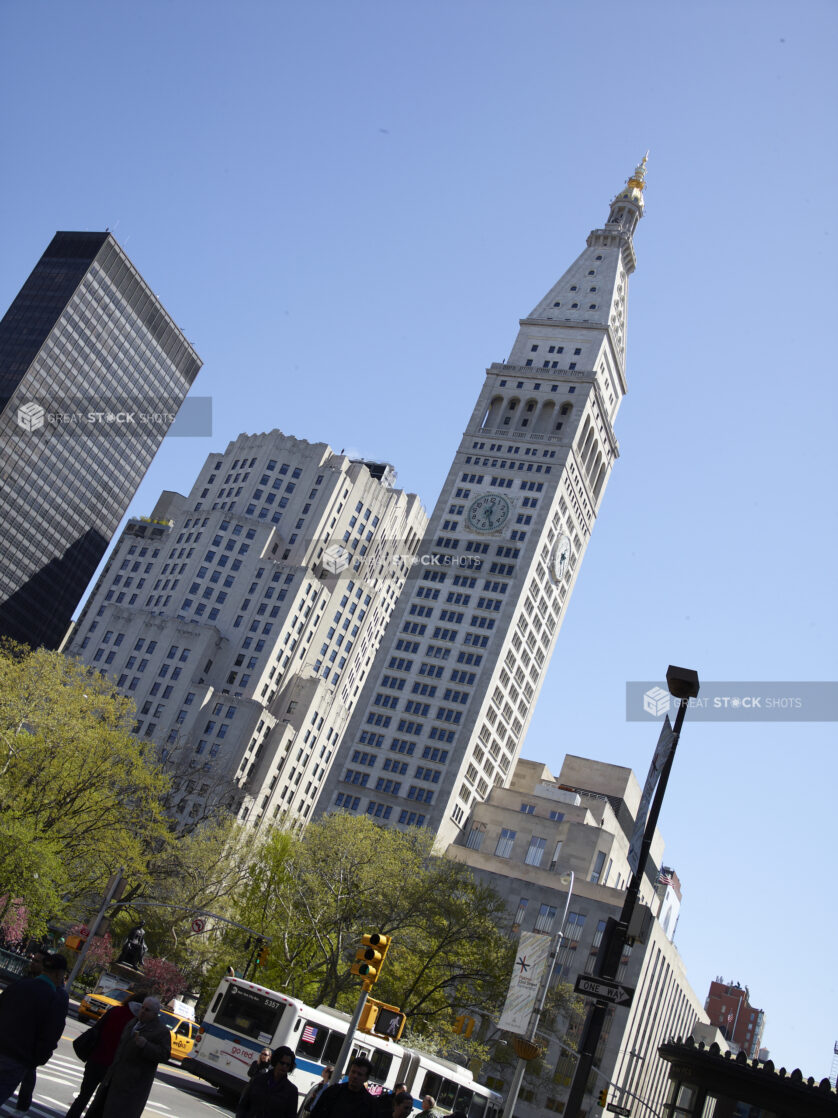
(92, 373)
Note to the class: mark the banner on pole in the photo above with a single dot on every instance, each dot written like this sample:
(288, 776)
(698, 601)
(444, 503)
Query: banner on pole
(667, 736)
(530, 964)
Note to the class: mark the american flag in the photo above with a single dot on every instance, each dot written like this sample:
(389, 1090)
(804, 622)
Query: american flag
(309, 1034)
(664, 879)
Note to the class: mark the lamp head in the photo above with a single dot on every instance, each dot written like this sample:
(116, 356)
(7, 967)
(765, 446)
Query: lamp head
(682, 682)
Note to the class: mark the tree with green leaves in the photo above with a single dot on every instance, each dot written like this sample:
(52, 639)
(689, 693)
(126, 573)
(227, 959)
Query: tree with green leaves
(318, 894)
(200, 873)
(80, 796)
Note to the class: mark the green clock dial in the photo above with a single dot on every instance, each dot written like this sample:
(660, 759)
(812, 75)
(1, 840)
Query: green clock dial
(488, 513)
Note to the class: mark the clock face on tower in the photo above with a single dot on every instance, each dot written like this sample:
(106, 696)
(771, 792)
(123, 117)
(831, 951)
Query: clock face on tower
(559, 557)
(488, 513)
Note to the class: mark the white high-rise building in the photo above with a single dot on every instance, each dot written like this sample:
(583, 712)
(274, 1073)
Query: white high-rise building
(243, 618)
(449, 698)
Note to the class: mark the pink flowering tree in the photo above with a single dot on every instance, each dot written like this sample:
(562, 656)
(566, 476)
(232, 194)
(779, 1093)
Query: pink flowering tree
(14, 918)
(164, 978)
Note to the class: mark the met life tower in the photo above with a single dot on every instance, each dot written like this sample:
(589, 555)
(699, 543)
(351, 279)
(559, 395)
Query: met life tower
(449, 697)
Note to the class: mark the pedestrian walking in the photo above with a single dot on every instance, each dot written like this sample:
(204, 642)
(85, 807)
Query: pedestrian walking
(271, 1094)
(316, 1091)
(350, 1099)
(109, 1030)
(402, 1104)
(429, 1109)
(32, 1016)
(27, 1085)
(261, 1063)
(145, 1043)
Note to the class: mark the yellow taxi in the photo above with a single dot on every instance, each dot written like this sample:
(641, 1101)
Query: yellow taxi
(96, 1005)
(183, 1032)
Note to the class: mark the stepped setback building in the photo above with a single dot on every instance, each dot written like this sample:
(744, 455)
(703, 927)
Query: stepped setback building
(243, 619)
(524, 841)
(449, 698)
(92, 373)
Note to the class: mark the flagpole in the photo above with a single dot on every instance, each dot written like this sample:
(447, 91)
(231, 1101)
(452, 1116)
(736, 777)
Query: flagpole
(521, 1066)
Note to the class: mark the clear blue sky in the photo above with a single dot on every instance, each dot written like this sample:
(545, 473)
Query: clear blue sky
(347, 206)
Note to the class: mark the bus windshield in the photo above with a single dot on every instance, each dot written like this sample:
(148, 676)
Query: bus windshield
(249, 1013)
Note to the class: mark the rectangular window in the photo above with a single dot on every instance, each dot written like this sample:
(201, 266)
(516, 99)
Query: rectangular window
(535, 851)
(545, 918)
(504, 846)
(598, 864)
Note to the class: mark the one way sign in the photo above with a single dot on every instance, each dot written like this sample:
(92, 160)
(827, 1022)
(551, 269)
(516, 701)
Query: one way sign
(603, 989)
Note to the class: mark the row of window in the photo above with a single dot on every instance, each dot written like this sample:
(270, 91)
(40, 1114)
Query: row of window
(347, 802)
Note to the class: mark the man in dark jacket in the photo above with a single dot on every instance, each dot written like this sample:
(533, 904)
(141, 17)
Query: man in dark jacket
(350, 1099)
(270, 1094)
(145, 1043)
(32, 1016)
(109, 1030)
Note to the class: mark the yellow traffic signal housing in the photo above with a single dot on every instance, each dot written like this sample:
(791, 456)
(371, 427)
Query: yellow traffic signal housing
(369, 957)
(262, 957)
(378, 941)
(464, 1025)
(603, 1097)
(383, 1020)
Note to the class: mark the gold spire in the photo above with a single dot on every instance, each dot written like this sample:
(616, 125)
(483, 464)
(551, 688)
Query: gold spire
(633, 190)
(638, 179)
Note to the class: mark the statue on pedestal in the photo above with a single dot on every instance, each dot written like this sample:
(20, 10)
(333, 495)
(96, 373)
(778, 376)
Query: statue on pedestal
(134, 948)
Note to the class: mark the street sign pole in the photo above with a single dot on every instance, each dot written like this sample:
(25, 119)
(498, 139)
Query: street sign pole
(114, 886)
(683, 684)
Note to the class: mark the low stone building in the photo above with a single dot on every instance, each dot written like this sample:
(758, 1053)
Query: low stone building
(525, 840)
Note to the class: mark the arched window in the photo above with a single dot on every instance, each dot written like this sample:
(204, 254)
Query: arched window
(492, 416)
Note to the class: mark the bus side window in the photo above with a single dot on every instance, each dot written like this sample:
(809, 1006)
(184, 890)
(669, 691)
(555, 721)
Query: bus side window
(446, 1095)
(333, 1047)
(431, 1084)
(380, 1065)
(217, 1002)
(477, 1108)
(312, 1039)
(464, 1098)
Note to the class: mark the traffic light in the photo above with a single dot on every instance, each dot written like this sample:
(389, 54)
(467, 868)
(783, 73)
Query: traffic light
(383, 1020)
(262, 955)
(603, 1097)
(464, 1025)
(369, 958)
(389, 1022)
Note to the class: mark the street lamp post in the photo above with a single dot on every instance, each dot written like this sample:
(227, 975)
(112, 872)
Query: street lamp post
(683, 685)
(521, 1066)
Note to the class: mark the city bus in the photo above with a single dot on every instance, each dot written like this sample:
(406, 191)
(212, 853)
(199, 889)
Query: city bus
(243, 1018)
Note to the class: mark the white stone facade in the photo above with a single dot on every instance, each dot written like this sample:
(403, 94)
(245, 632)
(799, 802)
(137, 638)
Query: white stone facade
(450, 696)
(243, 618)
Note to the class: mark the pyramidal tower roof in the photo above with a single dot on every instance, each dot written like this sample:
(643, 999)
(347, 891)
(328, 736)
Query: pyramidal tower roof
(593, 292)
